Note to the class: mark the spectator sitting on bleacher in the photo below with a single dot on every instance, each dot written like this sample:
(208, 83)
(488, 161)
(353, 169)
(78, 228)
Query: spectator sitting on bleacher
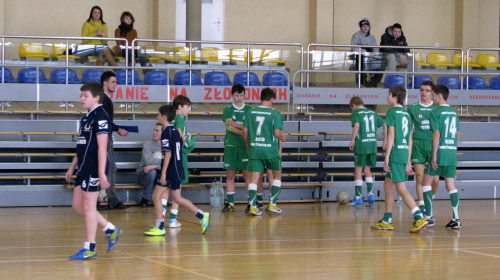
(394, 36)
(126, 30)
(95, 27)
(363, 37)
(150, 165)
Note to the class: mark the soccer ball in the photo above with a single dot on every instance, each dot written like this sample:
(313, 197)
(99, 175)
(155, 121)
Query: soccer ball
(343, 197)
(103, 197)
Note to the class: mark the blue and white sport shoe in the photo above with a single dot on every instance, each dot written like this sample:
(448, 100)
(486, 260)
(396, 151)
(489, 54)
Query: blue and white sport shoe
(84, 254)
(370, 201)
(356, 202)
(113, 238)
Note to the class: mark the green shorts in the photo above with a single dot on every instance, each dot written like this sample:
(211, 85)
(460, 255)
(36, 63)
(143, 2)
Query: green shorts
(421, 151)
(443, 171)
(365, 160)
(397, 173)
(259, 165)
(185, 165)
(235, 158)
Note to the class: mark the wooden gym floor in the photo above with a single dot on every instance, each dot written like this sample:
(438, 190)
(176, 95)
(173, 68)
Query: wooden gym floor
(308, 241)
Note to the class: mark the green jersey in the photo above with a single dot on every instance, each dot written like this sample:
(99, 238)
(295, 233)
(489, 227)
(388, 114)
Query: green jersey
(421, 124)
(261, 123)
(180, 123)
(366, 139)
(398, 118)
(445, 119)
(238, 115)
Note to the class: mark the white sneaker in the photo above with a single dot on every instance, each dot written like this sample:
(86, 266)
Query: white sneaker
(174, 224)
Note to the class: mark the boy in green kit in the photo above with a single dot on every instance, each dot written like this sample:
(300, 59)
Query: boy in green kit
(397, 161)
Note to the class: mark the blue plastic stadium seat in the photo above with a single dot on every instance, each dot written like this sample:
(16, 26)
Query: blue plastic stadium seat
(28, 76)
(420, 79)
(120, 77)
(275, 79)
(476, 82)
(157, 78)
(217, 79)
(182, 78)
(9, 78)
(241, 78)
(451, 82)
(495, 83)
(58, 76)
(92, 75)
(394, 80)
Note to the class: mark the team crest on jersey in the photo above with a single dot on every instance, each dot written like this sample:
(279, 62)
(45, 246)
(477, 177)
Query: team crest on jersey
(103, 124)
(165, 143)
(87, 127)
(234, 117)
(94, 182)
(420, 116)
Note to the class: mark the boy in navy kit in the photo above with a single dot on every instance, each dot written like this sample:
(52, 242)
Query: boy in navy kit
(91, 158)
(171, 175)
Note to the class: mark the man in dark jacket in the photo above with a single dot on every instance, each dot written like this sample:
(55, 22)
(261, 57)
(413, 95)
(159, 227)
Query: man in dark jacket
(394, 36)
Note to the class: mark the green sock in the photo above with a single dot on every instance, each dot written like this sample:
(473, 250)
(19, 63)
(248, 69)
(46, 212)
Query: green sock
(251, 198)
(260, 197)
(275, 191)
(417, 215)
(357, 192)
(230, 198)
(428, 200)
(388, 217)
(454, 203)
(369, 185)
(173, 214)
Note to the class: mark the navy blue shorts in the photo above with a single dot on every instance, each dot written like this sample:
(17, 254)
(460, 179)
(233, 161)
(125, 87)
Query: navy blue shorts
(173, 185)
(88, 183)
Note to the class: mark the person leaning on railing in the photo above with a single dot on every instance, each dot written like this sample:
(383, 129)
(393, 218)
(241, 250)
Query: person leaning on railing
(95, 27)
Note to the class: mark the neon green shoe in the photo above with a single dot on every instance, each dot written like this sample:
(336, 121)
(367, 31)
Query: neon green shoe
(155, 231)
(273, 209)
(84, 254)
(381, 225)
(255, 211)
(418, 225)
(204, 222)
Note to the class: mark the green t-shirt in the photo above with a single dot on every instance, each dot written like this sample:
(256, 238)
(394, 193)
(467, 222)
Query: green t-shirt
(366, 139)
(261, 123)
(421, 124)
(445, 119)
(238, 115)
(180, 123)
(398, 118)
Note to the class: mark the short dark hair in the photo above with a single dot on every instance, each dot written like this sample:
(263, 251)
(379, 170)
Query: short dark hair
(397, 25)
(443, 90)
(237, 88)
(267, 94)
(106, 76)
(181, 100)
(399, 92)
(428, 83)
(92, 10)
(169, 111)
(95, 89)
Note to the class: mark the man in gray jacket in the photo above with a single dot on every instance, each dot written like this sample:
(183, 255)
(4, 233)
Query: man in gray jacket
(364, 38)
(150, 164)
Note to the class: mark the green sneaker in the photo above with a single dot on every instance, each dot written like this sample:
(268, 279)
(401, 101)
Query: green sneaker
(204, 222)
(155, 231)
(113, 238)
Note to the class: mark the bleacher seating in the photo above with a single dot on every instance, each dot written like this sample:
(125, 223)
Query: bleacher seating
(33, 50)
(457, 60)
(157, 78)
(452, 82)
(120, 77)
(9, 78)
(419, 60)
(182, 78)
(275, 79)
(29, 76)
(266, 56)
(419, 79)
(58, 76)
(488, 60)
(217, 79)
(182, 54)
(57, 52)
(476, 82)
(394, 80)
(92, 75)
(495, 83)
(241, 78)
(440, 60)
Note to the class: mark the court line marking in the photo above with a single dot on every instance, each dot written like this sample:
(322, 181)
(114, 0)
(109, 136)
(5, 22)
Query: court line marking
(482, 254)
(171, 266)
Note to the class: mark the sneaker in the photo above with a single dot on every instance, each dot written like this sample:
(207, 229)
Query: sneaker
(155, 231)
(144, 203)
(273, 209)
(84, 254)
(381, 225)
(173, 223)
(356, 202)
(228, 208)
(454, 224)
(260, 205)
(430, 221)
(113, 238)
(247, 210)
(371, 200)
(255, 211)
(204, 222)
(418, 225)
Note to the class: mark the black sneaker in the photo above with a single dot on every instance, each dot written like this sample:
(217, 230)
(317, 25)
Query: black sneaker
(117, 205)
(454, 224)
(228, 208)
(430, 221)
(260, 205)
(144, 203)
(247, 210)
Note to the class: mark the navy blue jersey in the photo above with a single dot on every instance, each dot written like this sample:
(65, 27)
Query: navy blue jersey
(94, 123)
(171, 142)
